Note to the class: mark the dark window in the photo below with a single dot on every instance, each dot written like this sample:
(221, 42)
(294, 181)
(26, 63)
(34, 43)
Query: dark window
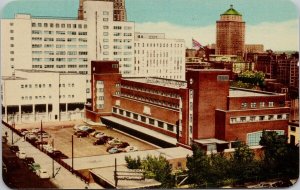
(170, 127)
(135, 116)
(128, 114)
(143, 118)
(160, 124)
(151, 121)
(115, 110)
(293, 128)
(121, 112)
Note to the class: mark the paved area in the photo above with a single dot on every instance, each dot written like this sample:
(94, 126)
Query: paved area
(62, 133)
(63, 178)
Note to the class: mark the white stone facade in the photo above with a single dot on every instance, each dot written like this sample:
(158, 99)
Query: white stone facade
(31, 96)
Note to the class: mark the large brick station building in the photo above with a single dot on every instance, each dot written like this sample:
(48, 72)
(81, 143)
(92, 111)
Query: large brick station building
(203, 109)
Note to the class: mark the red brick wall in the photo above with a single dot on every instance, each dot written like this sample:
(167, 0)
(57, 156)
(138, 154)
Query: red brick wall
(209, 95)
(240, 130)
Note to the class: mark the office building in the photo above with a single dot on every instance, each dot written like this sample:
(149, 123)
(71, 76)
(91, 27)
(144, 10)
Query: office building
(183, 112)
(230, 33)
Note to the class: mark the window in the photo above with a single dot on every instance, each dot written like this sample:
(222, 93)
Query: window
(105, 27)
(151, 121)
(279, 116)
(244, 105)
(271, 117)
(105, 12)
(135, 116)
(121, 112)
(128, 114)
(170, 127)
(105, 19)
(160, 124)
(262, 104)
(143, 119)
(252, 118)
(115, 110)
(233, 120)
(253, 105)
(293, 128)
(243, 119)
(261, 118)
(271, 104)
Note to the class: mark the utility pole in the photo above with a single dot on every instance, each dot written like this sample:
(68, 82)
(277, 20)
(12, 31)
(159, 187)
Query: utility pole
(115, 174)
(53, 160)
(72, 154)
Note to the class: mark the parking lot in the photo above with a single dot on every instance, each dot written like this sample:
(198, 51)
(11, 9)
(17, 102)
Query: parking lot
(62, 133)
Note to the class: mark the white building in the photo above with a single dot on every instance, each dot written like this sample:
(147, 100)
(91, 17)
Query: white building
(157, 56)
(33, 95)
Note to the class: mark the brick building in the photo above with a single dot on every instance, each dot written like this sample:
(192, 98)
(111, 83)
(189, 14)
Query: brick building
(202, 109)
(230, 33)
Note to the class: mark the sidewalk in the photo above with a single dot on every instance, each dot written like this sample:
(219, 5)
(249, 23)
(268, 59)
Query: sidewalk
(64, 178)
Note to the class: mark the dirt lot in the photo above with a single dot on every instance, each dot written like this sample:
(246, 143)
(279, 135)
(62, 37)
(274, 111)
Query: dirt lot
(62, 133)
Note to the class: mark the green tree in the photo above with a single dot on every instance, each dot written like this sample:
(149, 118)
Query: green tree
(198, 167)
(243, 165)
(279, 157)
(133, 163)
(252, 77)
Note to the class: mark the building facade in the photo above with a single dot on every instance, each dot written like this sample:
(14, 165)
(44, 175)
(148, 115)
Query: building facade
(186, 111)
(119, 9)
(230, 33)
(27, 97)
(157, 56)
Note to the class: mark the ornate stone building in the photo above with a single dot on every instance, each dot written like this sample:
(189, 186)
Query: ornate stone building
(119, 9)
(230, 33)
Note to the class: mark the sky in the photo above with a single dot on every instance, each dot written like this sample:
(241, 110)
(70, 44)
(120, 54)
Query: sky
(274, 23)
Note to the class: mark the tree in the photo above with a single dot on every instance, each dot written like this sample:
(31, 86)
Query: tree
(252, 77)
(279, 157)
(198, 167)
(243, 165)
(133, 163)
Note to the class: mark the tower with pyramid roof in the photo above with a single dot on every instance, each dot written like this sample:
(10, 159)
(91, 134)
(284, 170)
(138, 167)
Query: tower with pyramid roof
(230, 33)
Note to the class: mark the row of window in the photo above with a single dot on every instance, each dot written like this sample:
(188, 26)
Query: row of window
(255, 118)
(157, 45)
(64, 96)
(119, 27)
(151, 91)
(255, 105)
(35, 85)
(36, 97)
(144, 119)
(57, 25)
(59, 59)
(151, 100)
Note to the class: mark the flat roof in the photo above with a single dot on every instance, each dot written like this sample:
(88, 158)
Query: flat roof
(46, 71)
(159, 82)
(108, 160)
(150, 132)
(210, 141)
(12, 78)
(241, 92)
(107, 174)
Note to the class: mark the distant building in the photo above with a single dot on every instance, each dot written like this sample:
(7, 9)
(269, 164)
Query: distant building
(254, 48)
(184, 112)
(31, 96)
(119, 9)
(230, 33)
(294, 132)
(157, 56)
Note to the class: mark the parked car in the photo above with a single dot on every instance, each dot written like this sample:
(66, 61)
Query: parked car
(130, 149)
(123, 145)
(114, 150)
(114, 141)
(34, 167)
(24, 131)
(99, 135)
(35, 130)
(43, 174)
(84, 128)
(14, 148)
(48, 148)
(90, 130)
(82, 134)
(76, 127)
(44, 135)
(58, 154)
(21, 154)
(30, 136)
(99, 142)
(28, 160)
(93, 134)
(39, 142)
(106, 138)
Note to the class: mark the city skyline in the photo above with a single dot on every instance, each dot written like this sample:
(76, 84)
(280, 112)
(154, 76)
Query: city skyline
(186, 25)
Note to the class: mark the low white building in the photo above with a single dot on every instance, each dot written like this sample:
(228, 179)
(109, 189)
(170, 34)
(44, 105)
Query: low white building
(31, 96)
(157, 56)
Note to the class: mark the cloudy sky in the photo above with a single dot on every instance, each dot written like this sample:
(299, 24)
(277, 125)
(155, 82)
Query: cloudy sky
(273, 23)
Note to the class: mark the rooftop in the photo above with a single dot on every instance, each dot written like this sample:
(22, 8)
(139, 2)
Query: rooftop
(12, 78)
(241, 92)
(160, 82)
(45, 71)
(232, 11)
